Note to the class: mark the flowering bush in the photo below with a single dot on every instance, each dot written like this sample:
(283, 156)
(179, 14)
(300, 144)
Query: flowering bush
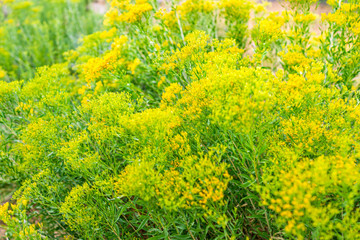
(181, 122)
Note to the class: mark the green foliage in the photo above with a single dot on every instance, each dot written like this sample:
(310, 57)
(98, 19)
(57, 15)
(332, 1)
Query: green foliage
(37, 33)
(164, 127)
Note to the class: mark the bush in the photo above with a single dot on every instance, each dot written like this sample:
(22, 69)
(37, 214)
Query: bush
(168, 125)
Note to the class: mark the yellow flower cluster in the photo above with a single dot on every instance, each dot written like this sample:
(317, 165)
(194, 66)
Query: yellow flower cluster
(176, 189)
(125, 11)
(296, 201)
(346, 14)
(269, 29)
(311, 160)
(169, 125)
(8, 89)
(2, 73)
(195, 43)
(237, 16)
(77, 214)
(235, 9)
(168, 18)
(296, 61)
(14, 215)
(304, 18)
(191, 6)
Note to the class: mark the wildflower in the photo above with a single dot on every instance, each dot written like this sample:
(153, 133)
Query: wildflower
(133, 65)
(129, 12)
(162, 80)
(170, 92)
(2, 73)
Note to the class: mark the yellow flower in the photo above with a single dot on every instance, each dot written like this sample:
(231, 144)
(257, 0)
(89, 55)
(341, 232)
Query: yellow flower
(304, 18)
(134, 12)
(2, 73)
(170, 92)
(162, 80)
(133, 65)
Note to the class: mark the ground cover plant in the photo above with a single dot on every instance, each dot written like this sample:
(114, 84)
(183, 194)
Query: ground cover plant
(179, 121)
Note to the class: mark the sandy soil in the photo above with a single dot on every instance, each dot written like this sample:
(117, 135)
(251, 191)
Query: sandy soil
(99, 6)
(2, 232)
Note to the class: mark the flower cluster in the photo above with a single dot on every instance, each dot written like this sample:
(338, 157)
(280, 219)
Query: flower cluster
(180, 121)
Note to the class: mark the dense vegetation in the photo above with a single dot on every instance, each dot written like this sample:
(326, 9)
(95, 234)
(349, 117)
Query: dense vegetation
(180, 121)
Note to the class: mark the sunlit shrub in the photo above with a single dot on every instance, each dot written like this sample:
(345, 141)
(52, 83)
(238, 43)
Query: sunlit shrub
(180, 122)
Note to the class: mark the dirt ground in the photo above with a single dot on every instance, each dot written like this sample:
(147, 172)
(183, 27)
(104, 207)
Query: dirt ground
(99, 6)
(279, 6)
